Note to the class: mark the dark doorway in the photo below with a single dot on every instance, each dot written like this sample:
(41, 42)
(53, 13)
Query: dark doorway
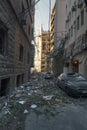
(22, 78)
(4, 86)
(75, 66)
(18, 81)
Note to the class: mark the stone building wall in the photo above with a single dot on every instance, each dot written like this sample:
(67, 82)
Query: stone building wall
(15, 52)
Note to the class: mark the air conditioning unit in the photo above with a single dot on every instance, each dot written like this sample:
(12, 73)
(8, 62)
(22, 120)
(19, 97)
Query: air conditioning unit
(80, 3)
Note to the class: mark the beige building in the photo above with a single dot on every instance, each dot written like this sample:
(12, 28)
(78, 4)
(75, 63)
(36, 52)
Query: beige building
(52, 28)
(43, 48)
(76, 46)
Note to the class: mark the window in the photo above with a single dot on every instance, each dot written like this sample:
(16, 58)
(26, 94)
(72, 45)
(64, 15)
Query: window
(69, 16)
(71, 31)
(29, 29)
(74, 25)
(3, 36)
(85, 3)
(28, 58)
(21, 53)
(78, 23)
(69, 34)
(23, 15)
(43, 46)
(82, 17)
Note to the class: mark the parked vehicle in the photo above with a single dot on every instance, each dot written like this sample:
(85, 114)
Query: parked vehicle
(74, 84)
(48, 75)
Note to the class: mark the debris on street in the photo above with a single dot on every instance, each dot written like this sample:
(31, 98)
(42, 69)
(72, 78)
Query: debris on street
(21, 102)
(49, 97)
(38, 95)
(33, 106)
(25, 111)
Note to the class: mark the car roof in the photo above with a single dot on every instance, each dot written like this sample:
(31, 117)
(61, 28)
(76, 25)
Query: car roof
(72, 74)
(69, 74)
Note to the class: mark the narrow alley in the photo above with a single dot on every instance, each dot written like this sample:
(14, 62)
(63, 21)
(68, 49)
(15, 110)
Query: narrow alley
(41, 105)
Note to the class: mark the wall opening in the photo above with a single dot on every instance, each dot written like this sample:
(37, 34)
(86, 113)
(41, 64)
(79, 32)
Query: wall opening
(4, 86)
(75, 66)
(18, 80)
(22, 76)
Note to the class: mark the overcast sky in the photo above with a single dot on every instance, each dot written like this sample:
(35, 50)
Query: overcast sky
(42, 14)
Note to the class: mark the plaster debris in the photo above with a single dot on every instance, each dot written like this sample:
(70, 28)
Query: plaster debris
(25, 111)
(7, 112)
(33, 106)
(22, 87)
(49, 97)
(21, 102)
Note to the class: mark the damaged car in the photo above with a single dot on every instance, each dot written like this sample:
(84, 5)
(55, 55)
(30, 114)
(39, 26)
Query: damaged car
(74, 84)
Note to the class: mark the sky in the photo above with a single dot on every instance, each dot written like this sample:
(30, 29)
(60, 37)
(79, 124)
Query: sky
(42, 15)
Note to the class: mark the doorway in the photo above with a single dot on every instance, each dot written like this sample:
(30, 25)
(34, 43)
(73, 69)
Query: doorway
(75, 66)
(4, 86)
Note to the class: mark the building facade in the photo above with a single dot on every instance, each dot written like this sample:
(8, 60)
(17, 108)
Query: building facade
(75, 55)
(58, 25)
(43, 48)
(52, 35)
(16, 34)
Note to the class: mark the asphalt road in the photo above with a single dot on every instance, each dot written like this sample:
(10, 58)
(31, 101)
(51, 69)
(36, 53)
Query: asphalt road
(69, 117)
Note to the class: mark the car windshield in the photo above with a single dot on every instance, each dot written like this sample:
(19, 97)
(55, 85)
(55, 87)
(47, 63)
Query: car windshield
(76, 78)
